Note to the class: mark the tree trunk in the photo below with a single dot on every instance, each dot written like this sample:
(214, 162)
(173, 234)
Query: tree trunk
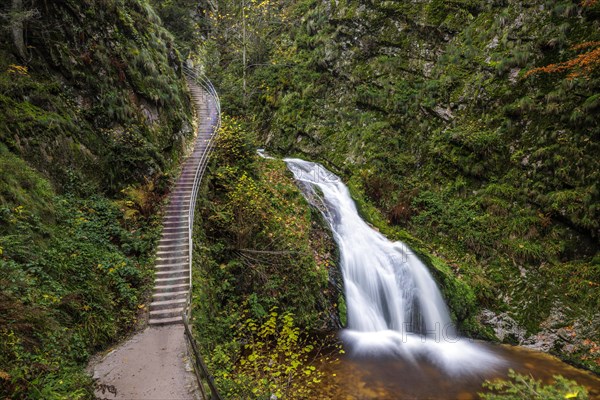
(244, 49)
(17, 28)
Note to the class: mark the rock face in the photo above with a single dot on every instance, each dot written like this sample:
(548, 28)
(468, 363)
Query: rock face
(103, 86)
(552, 337)
(427, 107)
(94, 116)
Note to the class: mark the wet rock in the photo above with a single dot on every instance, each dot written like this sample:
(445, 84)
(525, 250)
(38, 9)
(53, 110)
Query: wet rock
(505, 327)
(444, 113)
(513, 75)
(149, 112)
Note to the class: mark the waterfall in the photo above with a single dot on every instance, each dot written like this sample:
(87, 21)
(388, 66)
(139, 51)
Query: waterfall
(394, 305)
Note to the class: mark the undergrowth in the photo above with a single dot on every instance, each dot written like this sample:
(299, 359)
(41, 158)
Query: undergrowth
(73, 274)
(426, 110)
(265, 286)
(94, 115)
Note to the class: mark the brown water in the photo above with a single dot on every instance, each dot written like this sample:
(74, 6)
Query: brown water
(392, 378)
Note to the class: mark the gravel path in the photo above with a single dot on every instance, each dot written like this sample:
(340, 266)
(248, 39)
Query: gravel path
(152, 365)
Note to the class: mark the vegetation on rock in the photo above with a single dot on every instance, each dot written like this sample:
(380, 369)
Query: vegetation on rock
(467, 129)
(259, 249)
(94, 114)
(426, 108)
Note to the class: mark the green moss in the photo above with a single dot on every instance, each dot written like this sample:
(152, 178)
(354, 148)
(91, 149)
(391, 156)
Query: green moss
(21, 186)
(74, 118)
(426, 112)
(87, 135)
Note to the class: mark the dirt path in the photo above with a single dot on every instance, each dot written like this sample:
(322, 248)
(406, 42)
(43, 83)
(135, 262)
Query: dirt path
(152, 365)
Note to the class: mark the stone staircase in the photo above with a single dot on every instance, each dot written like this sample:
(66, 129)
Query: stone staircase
(173, 274)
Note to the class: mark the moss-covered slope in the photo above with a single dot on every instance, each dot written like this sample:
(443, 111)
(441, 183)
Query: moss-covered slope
(265, 280)
(427, 108)
(94, 115)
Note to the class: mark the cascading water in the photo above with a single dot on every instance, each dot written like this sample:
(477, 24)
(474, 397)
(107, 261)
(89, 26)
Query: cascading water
(394, 306)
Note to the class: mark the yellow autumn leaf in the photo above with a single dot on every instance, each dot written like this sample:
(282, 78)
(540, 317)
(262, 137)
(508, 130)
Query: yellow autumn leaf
(571, 395)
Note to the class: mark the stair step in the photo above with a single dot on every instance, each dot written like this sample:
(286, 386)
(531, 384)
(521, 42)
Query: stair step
(171, 261)
(172, 252)
(176, 266)
(174, 224)
(182, 270)
(171, 267)
(177, 216)
(171, 288)
(166, 313)
(170, 295)
(172, 273)
(176, 212)
(174, 245)
(173, 237)
(174, 228)
(177, 229)
(181, 217)
(167, 304)
(181, 235)
(180, 203)
(186, 192)
(172, 241)
(172, 280)
(168, 241)
(176, 232)
(165, 321)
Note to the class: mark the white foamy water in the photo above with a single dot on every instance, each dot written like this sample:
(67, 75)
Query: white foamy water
(394, 306)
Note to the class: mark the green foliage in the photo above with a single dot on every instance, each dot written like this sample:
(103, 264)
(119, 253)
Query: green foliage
(98, 106)
(72, 277)
(260, 229)
(522, 387)
(118, 109)
(426, 110)
(19, 184)
(70, 287)
(262, 248)
(186, 20)
(275, 358)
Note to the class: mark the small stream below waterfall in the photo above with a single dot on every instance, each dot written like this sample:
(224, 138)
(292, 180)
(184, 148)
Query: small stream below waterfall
(387, 378)
(400, 340)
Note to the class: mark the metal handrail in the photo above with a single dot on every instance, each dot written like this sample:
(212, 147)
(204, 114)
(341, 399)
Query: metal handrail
(199, 366)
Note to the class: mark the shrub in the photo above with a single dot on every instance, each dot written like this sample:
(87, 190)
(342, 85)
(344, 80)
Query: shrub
(522, 387)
